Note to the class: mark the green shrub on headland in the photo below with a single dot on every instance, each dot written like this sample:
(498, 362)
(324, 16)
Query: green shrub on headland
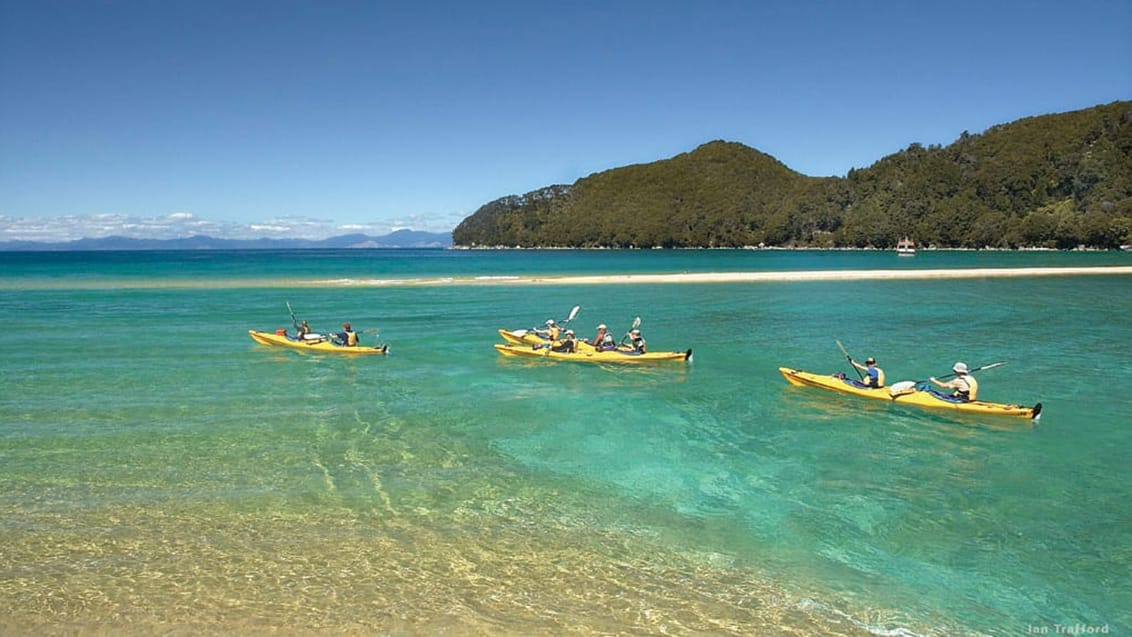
(1053, 181)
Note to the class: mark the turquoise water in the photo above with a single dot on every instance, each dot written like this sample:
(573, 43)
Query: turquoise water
(160, 470)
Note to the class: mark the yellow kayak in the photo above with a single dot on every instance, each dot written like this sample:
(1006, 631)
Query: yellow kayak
(591, 355)
(522, 337)
(323, 346)
(910, 395)
(528, 337)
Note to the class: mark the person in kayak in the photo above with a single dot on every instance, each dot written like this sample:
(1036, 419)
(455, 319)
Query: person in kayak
(347, 336)
(636, 341)
(551, 332)
(304, 333)
(568, 345)
(874, 374)
(963, 386)
(603, 340)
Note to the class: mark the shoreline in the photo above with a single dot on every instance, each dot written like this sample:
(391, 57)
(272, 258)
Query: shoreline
(739, 277)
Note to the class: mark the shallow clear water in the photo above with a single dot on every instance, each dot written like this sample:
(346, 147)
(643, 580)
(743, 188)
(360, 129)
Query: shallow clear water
(161, 469)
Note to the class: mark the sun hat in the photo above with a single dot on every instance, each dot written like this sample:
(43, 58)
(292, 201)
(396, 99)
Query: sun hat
(601, 327)
(960, 368)
(870, 361)
(569, 332)
(550, 321)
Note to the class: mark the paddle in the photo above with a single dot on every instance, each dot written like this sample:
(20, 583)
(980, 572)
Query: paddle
(906, 385)
(573, 313)
(294, 321)
(850, 359)
(970, 371)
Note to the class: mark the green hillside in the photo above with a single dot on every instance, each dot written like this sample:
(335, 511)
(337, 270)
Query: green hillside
(1055, 181)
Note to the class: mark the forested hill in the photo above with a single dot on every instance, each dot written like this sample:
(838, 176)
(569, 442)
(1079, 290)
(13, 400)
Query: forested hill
(1058, 181)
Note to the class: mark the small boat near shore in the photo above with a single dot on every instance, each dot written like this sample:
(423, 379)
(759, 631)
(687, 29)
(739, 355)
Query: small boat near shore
(906, 247)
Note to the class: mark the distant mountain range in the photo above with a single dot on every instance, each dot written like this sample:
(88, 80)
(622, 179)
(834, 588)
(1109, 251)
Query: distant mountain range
(397, 239)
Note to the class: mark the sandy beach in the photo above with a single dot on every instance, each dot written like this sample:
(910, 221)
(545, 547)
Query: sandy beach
(540, 280)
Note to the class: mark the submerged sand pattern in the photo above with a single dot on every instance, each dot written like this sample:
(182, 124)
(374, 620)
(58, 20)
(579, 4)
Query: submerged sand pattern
(148, 571)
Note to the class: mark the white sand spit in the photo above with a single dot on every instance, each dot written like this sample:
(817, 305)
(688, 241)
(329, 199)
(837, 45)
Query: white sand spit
(745, 277)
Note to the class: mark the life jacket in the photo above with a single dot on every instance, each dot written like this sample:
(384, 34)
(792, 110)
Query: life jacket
(876, 376)
(351, 338)
(972, 388)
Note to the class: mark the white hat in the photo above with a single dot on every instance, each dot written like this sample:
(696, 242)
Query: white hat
(960, 368)
(570, 332)
(601, 327)
(550, 321)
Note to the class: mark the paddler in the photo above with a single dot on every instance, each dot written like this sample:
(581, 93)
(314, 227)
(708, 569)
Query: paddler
(603, 340)
(963, 386)
(304, 333)
(567, 345)
(874, 374)
(551, 332)
(347, 336)
(636, 341)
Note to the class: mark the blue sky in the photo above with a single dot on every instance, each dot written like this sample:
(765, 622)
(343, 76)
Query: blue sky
(285, 118)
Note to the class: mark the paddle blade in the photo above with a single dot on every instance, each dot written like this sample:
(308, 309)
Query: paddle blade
(842, 348)
(850, 359)
(573, 313)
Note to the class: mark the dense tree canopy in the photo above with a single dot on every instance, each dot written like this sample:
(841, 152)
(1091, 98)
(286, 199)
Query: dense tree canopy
(1057, 181)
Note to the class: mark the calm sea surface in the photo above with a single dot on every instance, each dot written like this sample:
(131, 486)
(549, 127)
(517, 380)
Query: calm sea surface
(160, 472)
